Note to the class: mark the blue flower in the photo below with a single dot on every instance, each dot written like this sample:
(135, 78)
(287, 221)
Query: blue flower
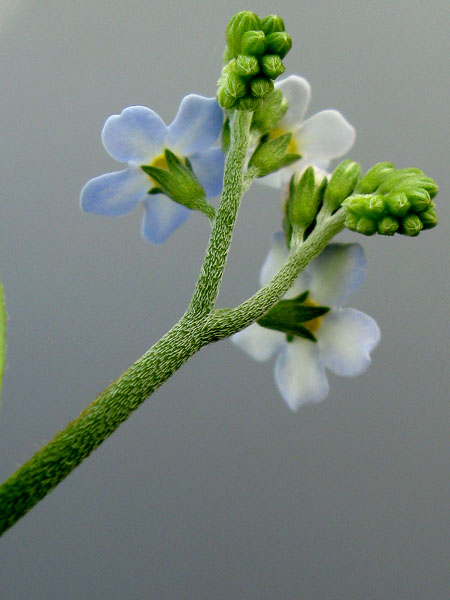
(345, 336)
(138, 136)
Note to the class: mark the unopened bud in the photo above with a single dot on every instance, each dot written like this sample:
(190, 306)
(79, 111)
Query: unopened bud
(246, 66)
(239, 24)
(388, 226)
(305, 197)
(429, 218)
(253, 43)
(271, 24)
(279, 43)
(272, 65)
(366, 226)
(411, 225)
(398, 204)
(342, 183)
(373, 178)
(261, 87)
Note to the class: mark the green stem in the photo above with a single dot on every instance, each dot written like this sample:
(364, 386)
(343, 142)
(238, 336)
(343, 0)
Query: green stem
(208, 284)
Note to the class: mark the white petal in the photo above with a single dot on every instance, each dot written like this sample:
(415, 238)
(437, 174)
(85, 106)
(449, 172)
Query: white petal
(298, 93)
(116, 193)
(300, 374)
(346, 337)
(337, 273)
(136, 135)
(325, 135)
(196, 126)
(162, 216)
(275, 259)
(259, 342)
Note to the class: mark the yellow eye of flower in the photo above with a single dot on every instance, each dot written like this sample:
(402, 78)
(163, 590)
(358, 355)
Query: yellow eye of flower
(293, 146)
(314, 324)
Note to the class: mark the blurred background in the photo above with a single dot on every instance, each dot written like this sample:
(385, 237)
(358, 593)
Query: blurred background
(214, 489)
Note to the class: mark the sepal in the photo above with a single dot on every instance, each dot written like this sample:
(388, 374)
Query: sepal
(342, 183)
(272, 110)
(270, 155)
(306, 192)
(179, 183)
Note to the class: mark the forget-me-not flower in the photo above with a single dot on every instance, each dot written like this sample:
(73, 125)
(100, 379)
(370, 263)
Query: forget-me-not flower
(345, 336)
(319, 139)
(138, 136)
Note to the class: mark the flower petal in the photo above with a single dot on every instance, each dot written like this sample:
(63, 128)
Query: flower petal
(325, 135)
(259, 342)
(136, 135)
(300, 374)
(208, 167)
(346, 337)
(114, 194)
(196, 126)
(275, 259)
(162, 216)
(298, 93)
(337, 273)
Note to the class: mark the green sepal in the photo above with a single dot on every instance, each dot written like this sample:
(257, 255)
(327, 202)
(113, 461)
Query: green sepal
(179, 183)
(411, 225)
(271, 24)
(261, 87)
(374, 176)
(2, 337)
(388, 226)
(253, 43)
(239, 24)
(270, 155)
(235, 85)
(246, 66)
(272, 65)
(305, 197)
(272, 110)
(342, 183)
(248, 103)
(288, 315)
(279, 42)
(428, 217)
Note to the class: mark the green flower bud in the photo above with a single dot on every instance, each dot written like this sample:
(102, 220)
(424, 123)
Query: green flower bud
(397, 204)
(253, 43)
(279, 43)
(224, 98)
(272, 66)
(375, 206)
(272, 109)
(235, 85)
(270, 155)
(246, 66)
(342, 183)
(357, 204)
(374, 176)
(419, 199)
(248, 103)
(429, 185)
(351, 221)
(272, 24)
(179, 183)
(239, 24)
(428, 218)
(388, 226)
(261, 87)
(305, 197)
(411, 225)
(366, 226)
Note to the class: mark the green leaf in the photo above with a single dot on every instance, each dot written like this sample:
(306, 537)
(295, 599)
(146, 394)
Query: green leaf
(2, 336)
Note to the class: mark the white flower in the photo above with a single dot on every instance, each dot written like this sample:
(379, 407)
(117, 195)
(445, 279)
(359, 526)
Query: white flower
(319, 139)
(345, 336)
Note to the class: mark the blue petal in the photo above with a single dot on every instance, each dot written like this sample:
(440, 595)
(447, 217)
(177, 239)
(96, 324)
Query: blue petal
(346, 337)
(209, 166)
(162, 216)
(337, 273)
(114, 194)
(196, 126)
(136, 135)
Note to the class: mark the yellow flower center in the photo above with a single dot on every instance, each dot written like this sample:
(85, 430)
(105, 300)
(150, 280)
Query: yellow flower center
(292, 147)
(160, 162)
(314, 324)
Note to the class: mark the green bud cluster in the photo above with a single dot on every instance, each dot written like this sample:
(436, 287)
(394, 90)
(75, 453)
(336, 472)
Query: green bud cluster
(179, 183)
(252, 60)
(389, 200)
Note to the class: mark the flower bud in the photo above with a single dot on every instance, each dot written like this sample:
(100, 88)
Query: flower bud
(419, 199)
(253, 43)
(305, 197)
(261, 87)
(374, 176)
(239, 24)
(411, 225)
(375, 206)
(428, 218)
(235, 85)
(388, 226)
(357, 204)
(366, 226)
(270, 155)
(248, 103)
(246, 66)
(342, 183)
(279, 43)
(271, 24)
(351, 221)
(397, 204)
(224, 98)
(272, 65)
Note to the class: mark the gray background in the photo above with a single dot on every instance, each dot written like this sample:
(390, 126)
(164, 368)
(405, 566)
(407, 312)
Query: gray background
(214, 489)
